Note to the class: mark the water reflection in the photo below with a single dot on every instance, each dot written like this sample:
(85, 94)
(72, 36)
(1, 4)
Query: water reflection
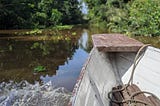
(69, 72)
(63, 60)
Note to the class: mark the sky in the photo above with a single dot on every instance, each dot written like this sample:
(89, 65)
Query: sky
(84, 8)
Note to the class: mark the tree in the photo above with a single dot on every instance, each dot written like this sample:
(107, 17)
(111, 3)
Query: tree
(145, 17)
(38, 13)
(16, 14)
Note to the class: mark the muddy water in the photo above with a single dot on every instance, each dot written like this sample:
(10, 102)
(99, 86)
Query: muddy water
(62, 58)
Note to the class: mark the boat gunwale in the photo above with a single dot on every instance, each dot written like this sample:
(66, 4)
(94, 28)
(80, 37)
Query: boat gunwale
(82, 72)
(79, 80)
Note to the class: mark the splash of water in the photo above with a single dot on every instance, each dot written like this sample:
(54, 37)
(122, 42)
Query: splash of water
(25, 94)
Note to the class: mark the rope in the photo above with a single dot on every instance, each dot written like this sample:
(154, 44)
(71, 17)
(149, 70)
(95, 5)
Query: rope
(136, 61)
(131, 97)
(139, 92)
(124, 87)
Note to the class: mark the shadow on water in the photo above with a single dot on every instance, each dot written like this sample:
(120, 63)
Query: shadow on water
(63, 59)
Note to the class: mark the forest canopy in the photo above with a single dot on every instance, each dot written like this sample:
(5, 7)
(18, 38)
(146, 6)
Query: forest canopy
(133, 17)
(22, 14)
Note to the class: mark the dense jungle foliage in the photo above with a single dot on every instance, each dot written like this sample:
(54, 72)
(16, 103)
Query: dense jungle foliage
(133, 17)
(22, 14)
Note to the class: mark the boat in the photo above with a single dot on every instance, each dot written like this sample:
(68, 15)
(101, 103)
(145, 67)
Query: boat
(110, 64)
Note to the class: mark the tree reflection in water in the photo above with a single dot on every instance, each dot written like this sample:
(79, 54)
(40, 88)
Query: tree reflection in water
(63, 60)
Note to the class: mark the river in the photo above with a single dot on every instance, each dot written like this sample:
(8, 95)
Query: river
(62, 58)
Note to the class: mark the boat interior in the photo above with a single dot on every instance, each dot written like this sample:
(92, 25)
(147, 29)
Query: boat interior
(107, 69)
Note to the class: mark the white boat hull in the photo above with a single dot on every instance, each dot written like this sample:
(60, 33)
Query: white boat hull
(104, 70)
(100, 75)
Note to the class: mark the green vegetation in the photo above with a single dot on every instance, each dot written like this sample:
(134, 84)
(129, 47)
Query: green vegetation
(32, 32)
(53, 31)
(24, 14)
(145, 17)
(74, 33)
(39, 69)
(60, 27)
(132, 17)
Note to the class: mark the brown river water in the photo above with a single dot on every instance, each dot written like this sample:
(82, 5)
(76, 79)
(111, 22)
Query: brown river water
(62, 55)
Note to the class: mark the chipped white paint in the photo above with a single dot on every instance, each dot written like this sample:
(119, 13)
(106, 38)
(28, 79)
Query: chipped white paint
(95, 81)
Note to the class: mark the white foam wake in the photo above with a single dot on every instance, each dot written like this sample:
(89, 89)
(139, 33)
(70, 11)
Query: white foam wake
(25, 94)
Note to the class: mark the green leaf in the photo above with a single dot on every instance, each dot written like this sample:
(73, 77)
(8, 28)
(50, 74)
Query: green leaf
(39, 69)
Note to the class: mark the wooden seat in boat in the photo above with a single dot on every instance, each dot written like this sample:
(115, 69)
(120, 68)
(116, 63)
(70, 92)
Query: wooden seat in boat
(120, 43)
(109, 64)
(115, 43)
(130, 90)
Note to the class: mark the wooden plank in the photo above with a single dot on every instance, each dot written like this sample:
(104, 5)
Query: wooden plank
(117, 96)
(126, 93)
(141, 97)
(115, 43)
(154, 101)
